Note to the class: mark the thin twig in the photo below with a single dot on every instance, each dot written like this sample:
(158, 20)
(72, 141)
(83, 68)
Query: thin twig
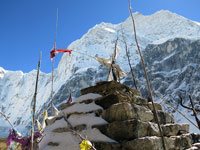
(147, 81)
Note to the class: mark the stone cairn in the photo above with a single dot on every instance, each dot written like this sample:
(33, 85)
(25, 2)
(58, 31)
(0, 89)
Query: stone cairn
(131, 122)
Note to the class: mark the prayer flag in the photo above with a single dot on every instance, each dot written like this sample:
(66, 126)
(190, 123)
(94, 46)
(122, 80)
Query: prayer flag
(54, 51)
(70, 98)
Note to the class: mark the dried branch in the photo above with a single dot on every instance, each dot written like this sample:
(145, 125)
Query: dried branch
(181, 103)
(147, 81)
(193, 109)
(194, 112)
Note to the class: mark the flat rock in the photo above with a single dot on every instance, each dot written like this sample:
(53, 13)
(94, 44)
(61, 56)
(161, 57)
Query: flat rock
(105, 88)
(175, 129)
(107, 146)
(157, 106)
(129, 129)
(118, 97)
(164, 117)
(53, 144)
(125, 111)
(154, 143)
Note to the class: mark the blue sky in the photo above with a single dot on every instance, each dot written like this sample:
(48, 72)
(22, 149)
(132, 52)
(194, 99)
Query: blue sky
(28, 26)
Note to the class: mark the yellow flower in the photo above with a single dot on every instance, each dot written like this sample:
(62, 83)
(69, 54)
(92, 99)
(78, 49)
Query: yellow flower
(85, 145)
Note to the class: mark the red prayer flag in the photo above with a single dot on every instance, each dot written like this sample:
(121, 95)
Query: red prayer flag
(54, 51)
(63, 51)
(70, 98)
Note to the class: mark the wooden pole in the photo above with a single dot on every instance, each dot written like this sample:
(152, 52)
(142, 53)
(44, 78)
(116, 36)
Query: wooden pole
(147, 80)
(52, 76)
(34, 104)
(113, 60)
(7, 119)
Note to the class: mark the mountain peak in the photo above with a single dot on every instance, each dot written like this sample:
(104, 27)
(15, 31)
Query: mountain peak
(2, 72)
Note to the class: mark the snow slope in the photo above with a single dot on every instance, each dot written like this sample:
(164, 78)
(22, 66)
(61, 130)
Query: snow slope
(80, 70)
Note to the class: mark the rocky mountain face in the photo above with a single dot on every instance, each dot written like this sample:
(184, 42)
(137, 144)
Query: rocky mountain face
(115, 116)
(173, 69)
(170, 46)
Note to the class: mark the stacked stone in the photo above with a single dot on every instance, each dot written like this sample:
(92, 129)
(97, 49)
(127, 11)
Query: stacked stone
(132, 123)
(115, 117)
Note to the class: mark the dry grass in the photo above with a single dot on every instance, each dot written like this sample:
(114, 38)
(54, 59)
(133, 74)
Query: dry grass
(3, 144)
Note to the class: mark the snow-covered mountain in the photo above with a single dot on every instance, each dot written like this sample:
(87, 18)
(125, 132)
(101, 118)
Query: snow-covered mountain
(79, 70)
